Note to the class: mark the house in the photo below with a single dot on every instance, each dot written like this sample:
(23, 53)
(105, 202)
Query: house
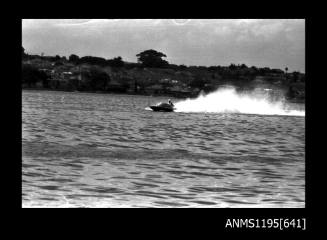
(65, 76)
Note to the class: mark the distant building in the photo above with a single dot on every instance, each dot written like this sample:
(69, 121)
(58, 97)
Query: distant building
(66, 75)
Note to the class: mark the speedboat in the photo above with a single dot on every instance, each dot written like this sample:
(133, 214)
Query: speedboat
(162, 107)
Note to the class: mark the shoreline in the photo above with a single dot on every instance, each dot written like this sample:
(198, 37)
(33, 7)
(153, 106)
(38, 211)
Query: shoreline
(297, 101)
(106, 92)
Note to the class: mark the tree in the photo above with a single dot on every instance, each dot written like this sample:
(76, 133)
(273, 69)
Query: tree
(182, 67)
(93, 60)
(97, 79)
(152, 58)
(243, 66)
(295, 76)
(173, 66)
(132, 65)
(73, 58)
(57, 58)
(232, 66)
(212, 68)
(58, 63)
(23, 52)
(198, 82)
(116, 62)
(31, 75)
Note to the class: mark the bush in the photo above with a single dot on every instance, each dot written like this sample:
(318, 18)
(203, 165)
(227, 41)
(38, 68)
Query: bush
(31, 75)
(97, 80)
(198, 82)
(93, 60)
(115, 62)
(73, 58)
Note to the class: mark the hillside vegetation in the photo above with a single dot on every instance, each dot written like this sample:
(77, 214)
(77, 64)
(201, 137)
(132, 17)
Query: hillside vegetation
(151, 75)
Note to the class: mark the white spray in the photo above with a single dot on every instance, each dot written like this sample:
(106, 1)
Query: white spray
(227, 100)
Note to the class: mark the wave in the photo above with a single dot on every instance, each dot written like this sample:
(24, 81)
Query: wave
(228, 100)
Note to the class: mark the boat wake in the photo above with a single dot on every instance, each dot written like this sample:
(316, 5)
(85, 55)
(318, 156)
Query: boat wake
(227, 100)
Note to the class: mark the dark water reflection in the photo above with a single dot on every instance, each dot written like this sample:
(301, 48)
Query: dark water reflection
(98, 150)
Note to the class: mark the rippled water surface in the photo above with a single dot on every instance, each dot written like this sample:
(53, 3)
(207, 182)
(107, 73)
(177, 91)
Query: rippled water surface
(103, 150)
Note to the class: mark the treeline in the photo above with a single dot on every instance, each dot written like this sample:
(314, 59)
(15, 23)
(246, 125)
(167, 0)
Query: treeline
(95, 79)
(31, 75)
(153, 59)
(115, 62)
(149, 65)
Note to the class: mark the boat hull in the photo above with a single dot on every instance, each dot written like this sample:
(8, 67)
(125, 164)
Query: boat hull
(161, 109)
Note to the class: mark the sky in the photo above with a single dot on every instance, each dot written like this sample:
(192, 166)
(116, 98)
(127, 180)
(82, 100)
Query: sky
(273, 43)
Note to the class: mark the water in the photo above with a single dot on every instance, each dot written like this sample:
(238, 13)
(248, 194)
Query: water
(258, 101)
(104, 150)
